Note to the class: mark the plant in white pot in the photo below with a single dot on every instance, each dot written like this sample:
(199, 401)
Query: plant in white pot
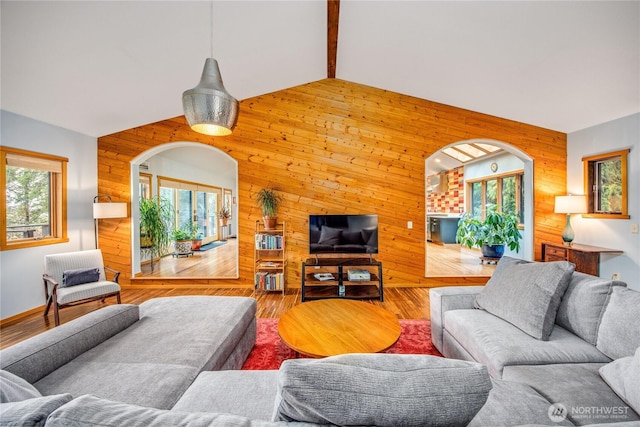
(490, 234)
(269, 201)
(183, 238)
(155, 226)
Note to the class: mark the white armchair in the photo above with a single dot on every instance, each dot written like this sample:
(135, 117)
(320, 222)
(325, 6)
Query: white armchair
(74, 278)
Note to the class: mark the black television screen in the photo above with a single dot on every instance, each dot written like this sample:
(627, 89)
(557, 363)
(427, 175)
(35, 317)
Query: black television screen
(343, 234)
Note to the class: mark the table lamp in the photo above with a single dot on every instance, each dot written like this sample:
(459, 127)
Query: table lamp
(570, 205)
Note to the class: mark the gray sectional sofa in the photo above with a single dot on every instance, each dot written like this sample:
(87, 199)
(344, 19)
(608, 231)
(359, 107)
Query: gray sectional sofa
(572, 338)
(175, 362)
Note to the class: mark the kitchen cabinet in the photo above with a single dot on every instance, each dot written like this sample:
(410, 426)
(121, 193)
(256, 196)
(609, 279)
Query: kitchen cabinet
(442, 229)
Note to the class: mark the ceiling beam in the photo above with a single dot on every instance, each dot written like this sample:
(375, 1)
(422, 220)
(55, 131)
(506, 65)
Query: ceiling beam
(333, 15)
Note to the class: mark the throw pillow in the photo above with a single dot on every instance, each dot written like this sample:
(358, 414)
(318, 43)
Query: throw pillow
(330, 236)
(619, 332)
(526, 294)
(583, 305)
(14, 389)
(31, 412)
(623, 376)
(79, 276)
(381, 390)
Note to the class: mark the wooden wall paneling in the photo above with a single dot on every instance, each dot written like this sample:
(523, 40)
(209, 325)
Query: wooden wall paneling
(337, 147)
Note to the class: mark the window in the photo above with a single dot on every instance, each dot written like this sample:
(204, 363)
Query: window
(34, 199)
(606, 185)
(144, 185)
(506, 191)
(193, 202)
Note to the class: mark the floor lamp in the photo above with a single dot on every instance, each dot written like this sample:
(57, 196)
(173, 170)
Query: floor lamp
(106, 210)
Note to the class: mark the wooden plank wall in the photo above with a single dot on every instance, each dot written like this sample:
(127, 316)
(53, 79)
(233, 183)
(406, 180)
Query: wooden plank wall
(333, 146)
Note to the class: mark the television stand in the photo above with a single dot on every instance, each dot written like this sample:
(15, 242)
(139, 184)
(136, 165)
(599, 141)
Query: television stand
(316, 283)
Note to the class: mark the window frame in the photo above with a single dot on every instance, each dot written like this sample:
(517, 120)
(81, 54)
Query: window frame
(58, 202)
(519, 177)
(589, 163)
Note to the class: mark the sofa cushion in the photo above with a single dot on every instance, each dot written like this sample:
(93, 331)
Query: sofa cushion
(526, 294)
(146, 384)
(496, 343)
(36, 357)
(513, 404)
(31, 412)
(79, 276)
(584, 303)
(619, 332)
(91, 411)
(14, 389)
(222, 391)
(381, 390)
(623, 376)
(578, 387)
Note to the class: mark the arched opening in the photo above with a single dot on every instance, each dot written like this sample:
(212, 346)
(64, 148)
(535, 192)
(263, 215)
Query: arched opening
(200, 170)
(448, 177)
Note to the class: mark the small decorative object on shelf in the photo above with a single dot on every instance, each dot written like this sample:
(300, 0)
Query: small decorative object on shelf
(269, 258)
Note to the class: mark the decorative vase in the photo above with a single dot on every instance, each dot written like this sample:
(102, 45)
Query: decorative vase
(270, 222)
(493, 251)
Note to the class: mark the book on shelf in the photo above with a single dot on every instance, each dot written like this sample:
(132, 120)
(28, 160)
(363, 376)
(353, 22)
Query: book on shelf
(269, 281)
(268, 241)
(270, 264)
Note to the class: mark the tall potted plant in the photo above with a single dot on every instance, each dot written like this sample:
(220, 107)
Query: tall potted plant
(490, 234)
(269, 200)
(155, 225)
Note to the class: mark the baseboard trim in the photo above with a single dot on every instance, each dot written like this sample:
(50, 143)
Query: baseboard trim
(20, 316)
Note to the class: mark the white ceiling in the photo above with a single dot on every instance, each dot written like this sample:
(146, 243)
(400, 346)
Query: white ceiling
(98, 67)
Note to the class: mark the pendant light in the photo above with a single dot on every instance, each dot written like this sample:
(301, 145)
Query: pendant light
(208, 107)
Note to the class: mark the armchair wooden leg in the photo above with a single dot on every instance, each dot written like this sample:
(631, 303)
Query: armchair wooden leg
(118, 298)
(56, 315)
(49, 301)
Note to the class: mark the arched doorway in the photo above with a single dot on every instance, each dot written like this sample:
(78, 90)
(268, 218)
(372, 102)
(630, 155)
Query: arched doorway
(192, 164)
(485, 159)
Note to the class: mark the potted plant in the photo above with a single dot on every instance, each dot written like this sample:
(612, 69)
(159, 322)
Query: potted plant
(155, 220)
(224, 214)
(183, 238)
(269, 200)
(490, 234)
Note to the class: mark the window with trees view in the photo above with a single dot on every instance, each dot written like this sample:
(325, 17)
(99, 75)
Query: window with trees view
(506, 191)
(606, 185)
(34, 202)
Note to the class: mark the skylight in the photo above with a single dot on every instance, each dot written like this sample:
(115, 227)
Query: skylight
(467, 152)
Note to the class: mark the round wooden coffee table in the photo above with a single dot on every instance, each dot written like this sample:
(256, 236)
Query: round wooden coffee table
(335, 326)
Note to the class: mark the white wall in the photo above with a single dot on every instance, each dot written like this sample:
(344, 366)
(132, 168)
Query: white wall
(21, 270)
(609, 233)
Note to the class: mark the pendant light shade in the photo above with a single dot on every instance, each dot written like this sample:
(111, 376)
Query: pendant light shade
(208, 107)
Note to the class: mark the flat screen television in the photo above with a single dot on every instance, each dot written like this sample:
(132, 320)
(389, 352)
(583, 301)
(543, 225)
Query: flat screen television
(343, 234)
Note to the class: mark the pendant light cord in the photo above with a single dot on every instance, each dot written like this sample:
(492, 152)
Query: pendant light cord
(211, 29)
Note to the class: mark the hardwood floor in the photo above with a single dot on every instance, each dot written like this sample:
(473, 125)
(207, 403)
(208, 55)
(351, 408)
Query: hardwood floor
(221, 261)
(455, 260)
(405, 303)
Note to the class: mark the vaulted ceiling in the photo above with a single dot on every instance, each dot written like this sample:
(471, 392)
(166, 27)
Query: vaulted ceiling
(98, 67)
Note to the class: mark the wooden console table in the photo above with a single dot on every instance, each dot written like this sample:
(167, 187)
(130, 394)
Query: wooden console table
(585, 257)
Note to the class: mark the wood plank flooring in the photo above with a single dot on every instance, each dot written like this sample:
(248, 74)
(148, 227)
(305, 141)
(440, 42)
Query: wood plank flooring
(405, 303)
(454, 260)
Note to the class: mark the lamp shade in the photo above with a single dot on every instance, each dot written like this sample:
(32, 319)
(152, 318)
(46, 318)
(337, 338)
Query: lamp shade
(109, 210)
(571, 204)
(208, 107)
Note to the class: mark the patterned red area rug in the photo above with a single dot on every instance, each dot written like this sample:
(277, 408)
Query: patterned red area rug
(269, 351)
